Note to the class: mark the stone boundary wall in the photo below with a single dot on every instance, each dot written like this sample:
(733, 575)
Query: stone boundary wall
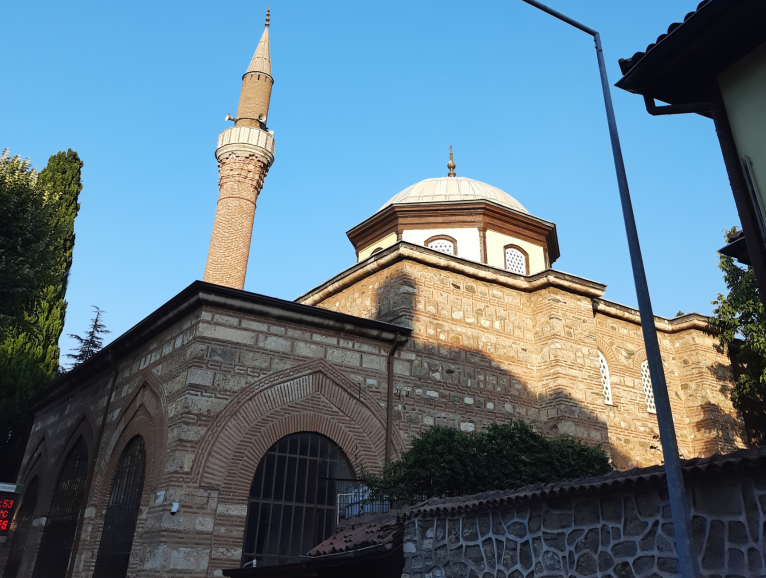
(620, 534)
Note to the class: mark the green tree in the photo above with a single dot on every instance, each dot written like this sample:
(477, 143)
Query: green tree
(29, 352)
(446, 462)
(92, 342)
(24, 239)
(740, 317)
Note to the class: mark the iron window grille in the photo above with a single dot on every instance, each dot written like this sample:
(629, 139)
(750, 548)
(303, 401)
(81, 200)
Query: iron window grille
(61, 524)
(23, 523)
(606, 384)
(122, 512)
(293, 498)
(646, 381)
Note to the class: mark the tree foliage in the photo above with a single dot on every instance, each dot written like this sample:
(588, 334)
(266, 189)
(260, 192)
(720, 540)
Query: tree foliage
(740, 317)
(37, 214)
(446, 462)
(24, 239)
(92, 342)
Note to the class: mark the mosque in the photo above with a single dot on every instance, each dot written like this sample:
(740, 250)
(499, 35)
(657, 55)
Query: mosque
(219, 429)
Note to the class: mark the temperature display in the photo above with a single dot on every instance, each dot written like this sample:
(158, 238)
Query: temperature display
(8, 503)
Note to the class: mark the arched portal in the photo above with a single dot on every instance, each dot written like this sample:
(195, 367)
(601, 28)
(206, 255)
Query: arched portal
(293, 498)
(61, 524)
(122, 512)
(23, 524)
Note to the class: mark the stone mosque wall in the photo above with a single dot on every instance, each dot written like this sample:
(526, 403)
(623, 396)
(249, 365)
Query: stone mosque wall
(489, 346)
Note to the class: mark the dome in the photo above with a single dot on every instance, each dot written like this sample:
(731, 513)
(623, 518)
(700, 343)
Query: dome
(444, 189)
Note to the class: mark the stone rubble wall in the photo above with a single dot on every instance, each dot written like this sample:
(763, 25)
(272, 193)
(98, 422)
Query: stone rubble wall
(620, 535)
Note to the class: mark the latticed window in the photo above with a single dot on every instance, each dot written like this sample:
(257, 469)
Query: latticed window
(23, 523)
(61, 524)
(646, 381)
(515, 261)
(122, 512)
(293, 498)
(443, 246)
(606, 384)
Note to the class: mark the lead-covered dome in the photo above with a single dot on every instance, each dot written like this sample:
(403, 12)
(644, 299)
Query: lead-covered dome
(444, 189)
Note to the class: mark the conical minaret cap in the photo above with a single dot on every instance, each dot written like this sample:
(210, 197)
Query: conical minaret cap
(261, 61)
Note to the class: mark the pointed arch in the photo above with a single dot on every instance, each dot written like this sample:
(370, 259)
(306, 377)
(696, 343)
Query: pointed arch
(314, 397)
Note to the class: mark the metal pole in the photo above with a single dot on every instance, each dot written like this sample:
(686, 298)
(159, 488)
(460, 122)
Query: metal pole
(688, 562)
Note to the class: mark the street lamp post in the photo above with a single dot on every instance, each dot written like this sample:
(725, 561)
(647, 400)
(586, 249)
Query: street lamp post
(680, 509)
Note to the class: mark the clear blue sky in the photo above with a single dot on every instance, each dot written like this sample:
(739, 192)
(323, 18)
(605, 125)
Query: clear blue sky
(368, 96)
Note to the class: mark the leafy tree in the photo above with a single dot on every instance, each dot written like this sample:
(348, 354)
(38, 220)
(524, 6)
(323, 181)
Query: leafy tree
(37, 214)
(24, 239)
(92, 342)
(446, 462)
(741, 319)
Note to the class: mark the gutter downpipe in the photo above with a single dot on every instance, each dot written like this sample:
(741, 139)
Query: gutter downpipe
(745, 208)
(92, 471)
(689, 565)
(399, 340)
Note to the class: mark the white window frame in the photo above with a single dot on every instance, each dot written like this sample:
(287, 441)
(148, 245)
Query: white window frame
(522, 256)
(446, 241)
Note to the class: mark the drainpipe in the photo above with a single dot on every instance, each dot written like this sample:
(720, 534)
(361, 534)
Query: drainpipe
(399, 340)
(745, 208)
(92, 470)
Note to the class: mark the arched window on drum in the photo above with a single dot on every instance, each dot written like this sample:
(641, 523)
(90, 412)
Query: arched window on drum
(443, 244)
(606, 383)
(294, 498)
(516, 260)
(646, 382)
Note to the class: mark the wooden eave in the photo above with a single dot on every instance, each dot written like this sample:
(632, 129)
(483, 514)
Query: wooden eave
(482, 215)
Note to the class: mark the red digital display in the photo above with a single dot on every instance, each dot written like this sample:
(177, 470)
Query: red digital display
(8, 504)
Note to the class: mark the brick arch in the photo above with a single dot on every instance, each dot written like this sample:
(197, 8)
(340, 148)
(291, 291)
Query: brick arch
(639, 358)
(36, 466)
(606, 350)
(357, 425)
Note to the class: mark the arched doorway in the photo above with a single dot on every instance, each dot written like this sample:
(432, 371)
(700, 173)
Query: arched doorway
(122, 512)
(23, 524)
(293, 498)
(61, 524)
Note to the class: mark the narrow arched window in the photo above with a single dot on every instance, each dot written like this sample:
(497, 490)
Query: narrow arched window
(516, 260)
(443, 244)
(293, 498)
(122, 512)
(61, 523)
(646, 381)
(24, 518)
(606, 384)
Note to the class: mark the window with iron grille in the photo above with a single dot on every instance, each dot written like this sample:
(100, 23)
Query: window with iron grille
(23, 522)
(293, 498)
(443, 246)
(515, 261)
(646, 381)
(122, 512)
(61, 523)
(606, 384)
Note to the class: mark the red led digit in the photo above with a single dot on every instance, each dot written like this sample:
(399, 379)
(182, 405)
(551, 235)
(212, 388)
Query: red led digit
(4, 525)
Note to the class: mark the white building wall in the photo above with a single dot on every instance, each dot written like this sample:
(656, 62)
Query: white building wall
(468, 243)
(496, 255)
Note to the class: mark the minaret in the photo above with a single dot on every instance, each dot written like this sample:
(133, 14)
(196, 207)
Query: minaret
(245, 153)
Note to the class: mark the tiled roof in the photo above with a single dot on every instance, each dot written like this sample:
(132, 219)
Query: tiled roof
(636, 477)
(361, 532)
(627, 63)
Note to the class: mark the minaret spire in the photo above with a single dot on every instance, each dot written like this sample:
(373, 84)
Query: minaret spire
(245, 153)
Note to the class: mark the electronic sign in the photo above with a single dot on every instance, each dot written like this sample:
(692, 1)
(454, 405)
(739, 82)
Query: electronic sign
(9, 501)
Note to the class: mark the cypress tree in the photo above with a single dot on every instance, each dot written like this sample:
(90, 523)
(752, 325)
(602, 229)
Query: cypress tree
(29, 351)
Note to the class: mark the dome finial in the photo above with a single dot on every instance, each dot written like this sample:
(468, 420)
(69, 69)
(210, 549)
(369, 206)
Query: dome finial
(451, 164)
(268, 12)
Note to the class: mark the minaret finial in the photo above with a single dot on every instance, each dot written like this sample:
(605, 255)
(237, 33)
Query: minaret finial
(451, 164)
(268, 12)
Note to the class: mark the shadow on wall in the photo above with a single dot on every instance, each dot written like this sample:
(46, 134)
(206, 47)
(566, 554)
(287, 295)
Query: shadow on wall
(456, 380)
